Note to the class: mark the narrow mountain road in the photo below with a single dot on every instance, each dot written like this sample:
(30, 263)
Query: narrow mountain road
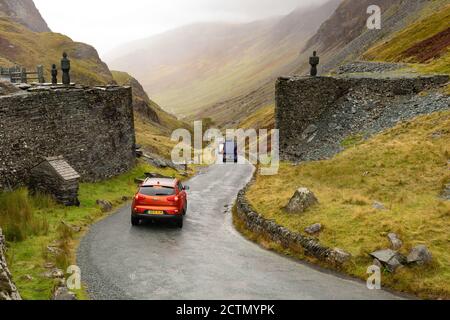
(207, 259)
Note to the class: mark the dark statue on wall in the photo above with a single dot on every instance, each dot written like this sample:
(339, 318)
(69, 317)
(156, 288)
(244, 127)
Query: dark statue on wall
(54, 74)
(314, 62)
(65, 67)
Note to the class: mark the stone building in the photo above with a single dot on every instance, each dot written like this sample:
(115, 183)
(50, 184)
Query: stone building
(56, 177)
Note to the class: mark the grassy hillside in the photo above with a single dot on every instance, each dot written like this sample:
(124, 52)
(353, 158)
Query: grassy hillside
(406, 169)
(19, 45)
(153, 125)
(425, 43)
(264, 118)
(422, 38)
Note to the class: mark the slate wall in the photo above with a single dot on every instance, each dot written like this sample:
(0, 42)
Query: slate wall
(93, 128)
(314, 114)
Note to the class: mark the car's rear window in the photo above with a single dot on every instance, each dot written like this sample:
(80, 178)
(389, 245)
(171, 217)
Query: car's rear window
(157, 191)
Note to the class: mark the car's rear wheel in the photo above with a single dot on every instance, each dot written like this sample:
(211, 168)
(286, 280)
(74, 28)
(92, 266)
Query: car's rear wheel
(135, 221)
(179, 222)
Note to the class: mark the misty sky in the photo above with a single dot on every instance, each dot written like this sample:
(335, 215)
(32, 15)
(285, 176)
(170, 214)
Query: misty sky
(109, 23)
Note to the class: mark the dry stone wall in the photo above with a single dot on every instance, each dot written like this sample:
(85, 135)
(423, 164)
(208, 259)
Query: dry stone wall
(315, 114)
(92, 128)
(297, 242)
(8, 290)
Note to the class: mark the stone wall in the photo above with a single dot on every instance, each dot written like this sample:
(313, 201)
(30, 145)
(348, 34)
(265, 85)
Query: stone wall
(315, 114)
(8, 290)
(270, 229)
(93, 128)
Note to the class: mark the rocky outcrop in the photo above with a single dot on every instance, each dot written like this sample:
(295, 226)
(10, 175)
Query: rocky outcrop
(316, 114)
(345, 36)
(25, 13)
(8, 290)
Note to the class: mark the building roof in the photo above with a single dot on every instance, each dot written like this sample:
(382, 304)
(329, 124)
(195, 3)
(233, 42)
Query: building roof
(62, 168)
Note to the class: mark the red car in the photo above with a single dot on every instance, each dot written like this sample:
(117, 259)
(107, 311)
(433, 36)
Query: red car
(160, 199)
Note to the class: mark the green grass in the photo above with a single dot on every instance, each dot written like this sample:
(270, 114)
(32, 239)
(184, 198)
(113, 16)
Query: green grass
(43, 226)
(406, 169)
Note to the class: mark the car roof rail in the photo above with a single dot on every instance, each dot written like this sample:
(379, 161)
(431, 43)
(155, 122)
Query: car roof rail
(152, 175)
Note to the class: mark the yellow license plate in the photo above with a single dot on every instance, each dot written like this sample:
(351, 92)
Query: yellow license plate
(159, 213)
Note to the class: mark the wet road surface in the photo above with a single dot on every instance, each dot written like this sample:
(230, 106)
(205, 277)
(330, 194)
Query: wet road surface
(207, 259)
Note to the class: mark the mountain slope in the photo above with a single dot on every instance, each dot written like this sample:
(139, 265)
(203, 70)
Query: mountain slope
(25, 13)
(19, 45)
(344, 38)
(153, 125)
(426, 43)
(195, 66)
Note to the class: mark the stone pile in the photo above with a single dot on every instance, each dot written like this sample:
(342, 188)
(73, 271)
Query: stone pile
(392, 259)
(367, 66)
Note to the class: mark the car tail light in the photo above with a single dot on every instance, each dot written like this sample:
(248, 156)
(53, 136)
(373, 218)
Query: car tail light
(172, 211)
(139, 198)
(173, 199)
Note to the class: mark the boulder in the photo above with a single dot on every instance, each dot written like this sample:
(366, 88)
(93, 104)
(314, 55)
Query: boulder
(389, 258)
(55, 273)
(105, 205)
(315, 228)
(338, 256)
(420, 255)
(379, 206)
(62, 293)
(396, 243)
(301, 201)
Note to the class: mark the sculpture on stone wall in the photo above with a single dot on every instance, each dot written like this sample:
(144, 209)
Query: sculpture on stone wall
(65, 67)
(314, 62)
(54, 74)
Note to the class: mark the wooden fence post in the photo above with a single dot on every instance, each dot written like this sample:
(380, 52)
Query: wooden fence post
(11, 74)
(40, 74)
(23, 76)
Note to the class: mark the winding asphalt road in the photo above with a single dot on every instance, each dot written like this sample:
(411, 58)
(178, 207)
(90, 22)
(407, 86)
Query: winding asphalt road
(207, 259)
